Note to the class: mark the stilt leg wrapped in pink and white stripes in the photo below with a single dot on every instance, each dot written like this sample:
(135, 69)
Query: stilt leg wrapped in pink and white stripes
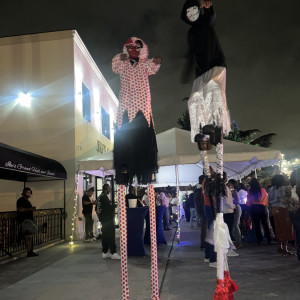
(123, 241)
(154, 269)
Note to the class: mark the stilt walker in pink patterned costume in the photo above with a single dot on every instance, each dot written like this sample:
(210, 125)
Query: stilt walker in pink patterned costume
(209, 117)
(135, 148)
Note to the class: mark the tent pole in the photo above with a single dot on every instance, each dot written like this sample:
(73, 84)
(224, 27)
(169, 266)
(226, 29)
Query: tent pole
(179, 213)
(177, 180)
(255, 173)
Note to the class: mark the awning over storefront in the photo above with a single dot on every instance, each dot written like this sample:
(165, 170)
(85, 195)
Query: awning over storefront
(20, 165)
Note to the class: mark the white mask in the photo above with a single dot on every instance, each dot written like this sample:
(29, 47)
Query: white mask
(192, 13)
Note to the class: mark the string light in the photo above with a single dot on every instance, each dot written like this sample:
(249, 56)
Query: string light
(289, 166)
(71, 243)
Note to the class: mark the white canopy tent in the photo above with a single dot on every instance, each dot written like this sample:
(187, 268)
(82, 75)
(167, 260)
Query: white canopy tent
(178, 156)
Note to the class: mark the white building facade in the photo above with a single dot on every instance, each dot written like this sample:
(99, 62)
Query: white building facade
(68, 114)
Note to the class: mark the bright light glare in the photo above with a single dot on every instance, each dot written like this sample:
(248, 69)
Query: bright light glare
(24, 99)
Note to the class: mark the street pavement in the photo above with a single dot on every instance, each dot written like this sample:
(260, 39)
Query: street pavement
(79, 272)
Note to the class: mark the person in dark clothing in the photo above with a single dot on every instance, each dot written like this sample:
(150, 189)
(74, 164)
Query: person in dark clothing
(87, 210)
(186, 208)
(193, 213)
(206, 51)
(132, 195)
(199, 205)
(207, 104)
(25, 219)
(291, 201)
(106, 215)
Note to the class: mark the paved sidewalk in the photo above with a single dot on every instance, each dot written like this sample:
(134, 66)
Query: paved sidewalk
(61, 272)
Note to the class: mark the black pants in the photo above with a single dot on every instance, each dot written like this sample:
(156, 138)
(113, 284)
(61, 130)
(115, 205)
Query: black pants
(203, 221)
(259, 216)
(88, 226)
(228, 219)
(166, 218)
(108, 237)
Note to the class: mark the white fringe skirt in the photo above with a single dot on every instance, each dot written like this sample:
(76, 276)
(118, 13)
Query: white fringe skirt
(207, 103)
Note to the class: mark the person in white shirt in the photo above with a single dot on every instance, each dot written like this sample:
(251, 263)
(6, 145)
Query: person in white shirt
(228, 212)
(242, 193)
(166, 218)
(236, 232)
(145, 199)
(175, 208)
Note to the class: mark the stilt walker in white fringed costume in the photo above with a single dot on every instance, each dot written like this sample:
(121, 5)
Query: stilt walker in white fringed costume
(135, 148)
(209, 117)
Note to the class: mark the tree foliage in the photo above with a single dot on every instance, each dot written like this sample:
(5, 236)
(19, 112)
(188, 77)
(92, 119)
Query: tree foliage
(264, 140)
(247, 136)
(236, 134)
(184, 121)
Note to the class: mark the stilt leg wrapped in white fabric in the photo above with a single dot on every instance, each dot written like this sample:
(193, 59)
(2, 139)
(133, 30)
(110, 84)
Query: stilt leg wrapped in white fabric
(219, 150)
(223, 242)
(205, 163)
(154, 268)
(123, 241)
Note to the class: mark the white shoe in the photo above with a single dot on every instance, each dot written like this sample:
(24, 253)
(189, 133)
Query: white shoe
(106, 255)
(213, 265)
(116, 256)
(232, 253)
(206, 260)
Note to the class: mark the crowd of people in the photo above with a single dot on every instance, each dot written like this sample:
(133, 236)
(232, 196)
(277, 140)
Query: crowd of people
(165, 198)
(105, 211)
(273, 211)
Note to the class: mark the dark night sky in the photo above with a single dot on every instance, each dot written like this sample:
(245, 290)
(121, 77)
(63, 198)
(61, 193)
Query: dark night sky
(261, 42)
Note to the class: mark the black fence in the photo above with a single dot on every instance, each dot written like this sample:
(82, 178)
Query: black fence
(48, 221)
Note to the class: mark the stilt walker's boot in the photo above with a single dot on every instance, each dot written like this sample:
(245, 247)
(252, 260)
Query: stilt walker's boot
(214, 133)
(202, 141)
(230, 286)
(209, 130)
(220, 293)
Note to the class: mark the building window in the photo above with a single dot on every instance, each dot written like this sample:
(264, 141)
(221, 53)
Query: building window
(105, 123)
(86, 103)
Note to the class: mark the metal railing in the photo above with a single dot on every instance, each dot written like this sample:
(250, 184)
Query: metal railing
(48, 221)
